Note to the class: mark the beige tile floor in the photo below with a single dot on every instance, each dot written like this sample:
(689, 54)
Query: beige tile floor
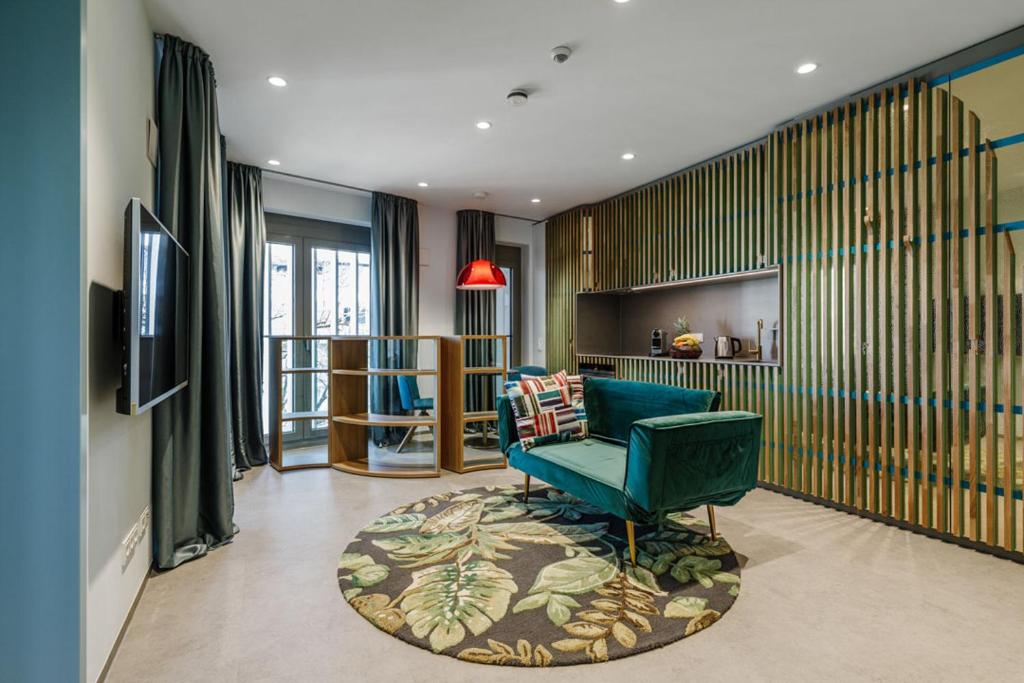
(826, 597)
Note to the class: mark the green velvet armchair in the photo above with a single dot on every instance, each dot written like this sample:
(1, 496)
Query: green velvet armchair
(653, 449)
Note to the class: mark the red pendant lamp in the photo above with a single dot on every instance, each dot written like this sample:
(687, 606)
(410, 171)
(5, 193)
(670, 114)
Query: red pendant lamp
(480, 275)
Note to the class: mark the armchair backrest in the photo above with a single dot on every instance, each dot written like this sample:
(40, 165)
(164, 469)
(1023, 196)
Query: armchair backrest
(408, 391)
(613, 405)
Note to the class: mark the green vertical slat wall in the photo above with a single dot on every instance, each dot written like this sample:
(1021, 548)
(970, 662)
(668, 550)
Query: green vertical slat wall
(878, 213)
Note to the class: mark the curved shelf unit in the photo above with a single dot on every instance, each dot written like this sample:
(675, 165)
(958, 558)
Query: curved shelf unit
(292, 373)
(377, 419)
(356, 434)
(485, 371)
(384, 372)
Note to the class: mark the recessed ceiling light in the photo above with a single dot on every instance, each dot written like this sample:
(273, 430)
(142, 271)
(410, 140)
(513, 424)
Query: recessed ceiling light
(273, 162)
(483, 125)
(628, 156)
(622, 2)
(536, 200)
(277, 81)
(906, 106)
(480, 194)
(807, 68)
(423, 184)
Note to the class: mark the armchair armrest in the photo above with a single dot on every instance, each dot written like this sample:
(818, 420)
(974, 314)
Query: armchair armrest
(683, 461)
(508, 435)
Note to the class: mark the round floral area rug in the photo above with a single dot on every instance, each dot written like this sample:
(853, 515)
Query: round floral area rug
(482, 576)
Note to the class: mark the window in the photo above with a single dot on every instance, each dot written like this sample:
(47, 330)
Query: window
(316, 283)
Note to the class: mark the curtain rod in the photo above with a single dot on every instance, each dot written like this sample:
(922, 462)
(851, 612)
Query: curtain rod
(365, 191)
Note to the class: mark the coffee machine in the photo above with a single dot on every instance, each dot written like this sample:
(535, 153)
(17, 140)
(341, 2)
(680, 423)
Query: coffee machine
(657, 342)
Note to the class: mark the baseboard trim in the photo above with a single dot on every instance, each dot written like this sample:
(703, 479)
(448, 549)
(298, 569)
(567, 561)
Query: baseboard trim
(124, 627)
(1002, 553)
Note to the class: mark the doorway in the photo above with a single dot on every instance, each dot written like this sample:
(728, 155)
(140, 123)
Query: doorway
(508, 308)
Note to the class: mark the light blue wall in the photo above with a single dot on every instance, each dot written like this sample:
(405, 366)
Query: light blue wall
(40, 337)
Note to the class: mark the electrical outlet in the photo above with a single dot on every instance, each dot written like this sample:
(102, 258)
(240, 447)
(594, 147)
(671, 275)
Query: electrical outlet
(134, 537)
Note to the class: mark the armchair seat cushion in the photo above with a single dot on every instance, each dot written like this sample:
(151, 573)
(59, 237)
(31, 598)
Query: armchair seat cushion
(591, 469)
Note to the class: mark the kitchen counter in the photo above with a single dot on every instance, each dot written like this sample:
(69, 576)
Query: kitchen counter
(707, 360)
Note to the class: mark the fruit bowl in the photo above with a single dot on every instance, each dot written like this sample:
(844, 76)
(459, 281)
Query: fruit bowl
(690, 352)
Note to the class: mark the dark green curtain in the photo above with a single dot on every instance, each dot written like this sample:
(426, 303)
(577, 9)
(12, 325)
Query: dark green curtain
(474, 311)
(247, 236)
(394, 297)
(193, 501)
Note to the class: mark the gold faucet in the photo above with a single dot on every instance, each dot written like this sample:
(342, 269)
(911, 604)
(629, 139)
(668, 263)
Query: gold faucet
(755, 350)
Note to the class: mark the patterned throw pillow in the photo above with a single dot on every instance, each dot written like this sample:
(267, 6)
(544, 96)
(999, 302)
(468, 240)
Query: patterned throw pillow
(548, 409)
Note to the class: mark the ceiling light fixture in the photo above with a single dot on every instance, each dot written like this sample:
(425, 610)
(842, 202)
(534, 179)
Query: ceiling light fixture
(480, 275)
(807, 68)
(621, 2)
(423, 183)
(483, 125)
(277, 81)
(628, 156)
(535, 200)
(906, 106)
(273, 162)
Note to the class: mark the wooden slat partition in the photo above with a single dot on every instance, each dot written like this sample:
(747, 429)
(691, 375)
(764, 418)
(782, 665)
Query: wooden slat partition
(898, 377)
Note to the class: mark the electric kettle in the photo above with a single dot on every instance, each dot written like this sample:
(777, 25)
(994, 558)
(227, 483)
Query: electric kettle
(727, 347)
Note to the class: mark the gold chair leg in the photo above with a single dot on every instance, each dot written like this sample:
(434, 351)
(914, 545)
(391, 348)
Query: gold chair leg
(711, 521)
(526, 490)
(631, 536)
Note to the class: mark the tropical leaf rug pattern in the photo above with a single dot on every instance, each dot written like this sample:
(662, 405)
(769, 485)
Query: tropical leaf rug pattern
(481, 576)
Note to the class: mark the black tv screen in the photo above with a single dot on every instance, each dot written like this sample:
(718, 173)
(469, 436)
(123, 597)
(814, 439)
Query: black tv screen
(155, 313)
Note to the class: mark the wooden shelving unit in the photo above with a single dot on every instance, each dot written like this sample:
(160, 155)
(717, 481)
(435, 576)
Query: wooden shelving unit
(275, 399)
(350, 444)
(454, 371)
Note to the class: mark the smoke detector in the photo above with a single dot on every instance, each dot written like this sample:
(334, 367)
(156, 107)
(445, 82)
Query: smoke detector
(517, 97)
(561, 54)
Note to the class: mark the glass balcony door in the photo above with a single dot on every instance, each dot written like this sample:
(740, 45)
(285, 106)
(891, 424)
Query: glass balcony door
(313, 286)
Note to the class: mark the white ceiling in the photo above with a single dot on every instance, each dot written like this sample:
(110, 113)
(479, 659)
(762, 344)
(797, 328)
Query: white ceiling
(384, 93)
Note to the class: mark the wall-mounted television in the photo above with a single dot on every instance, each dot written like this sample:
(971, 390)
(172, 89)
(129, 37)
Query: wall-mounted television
(154, 313)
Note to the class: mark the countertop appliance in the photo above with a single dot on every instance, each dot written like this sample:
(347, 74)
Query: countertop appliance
(657, 342)
(727, 347)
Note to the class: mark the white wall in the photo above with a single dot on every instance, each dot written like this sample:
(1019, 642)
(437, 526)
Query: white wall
(119, 99)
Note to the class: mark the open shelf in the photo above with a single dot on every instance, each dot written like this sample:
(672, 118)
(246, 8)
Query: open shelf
(304, 415)
(369, 469)
(382, 444)
(480, 416)
(385, 372)
(371, 419)
(485, 371)
(291, 369)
